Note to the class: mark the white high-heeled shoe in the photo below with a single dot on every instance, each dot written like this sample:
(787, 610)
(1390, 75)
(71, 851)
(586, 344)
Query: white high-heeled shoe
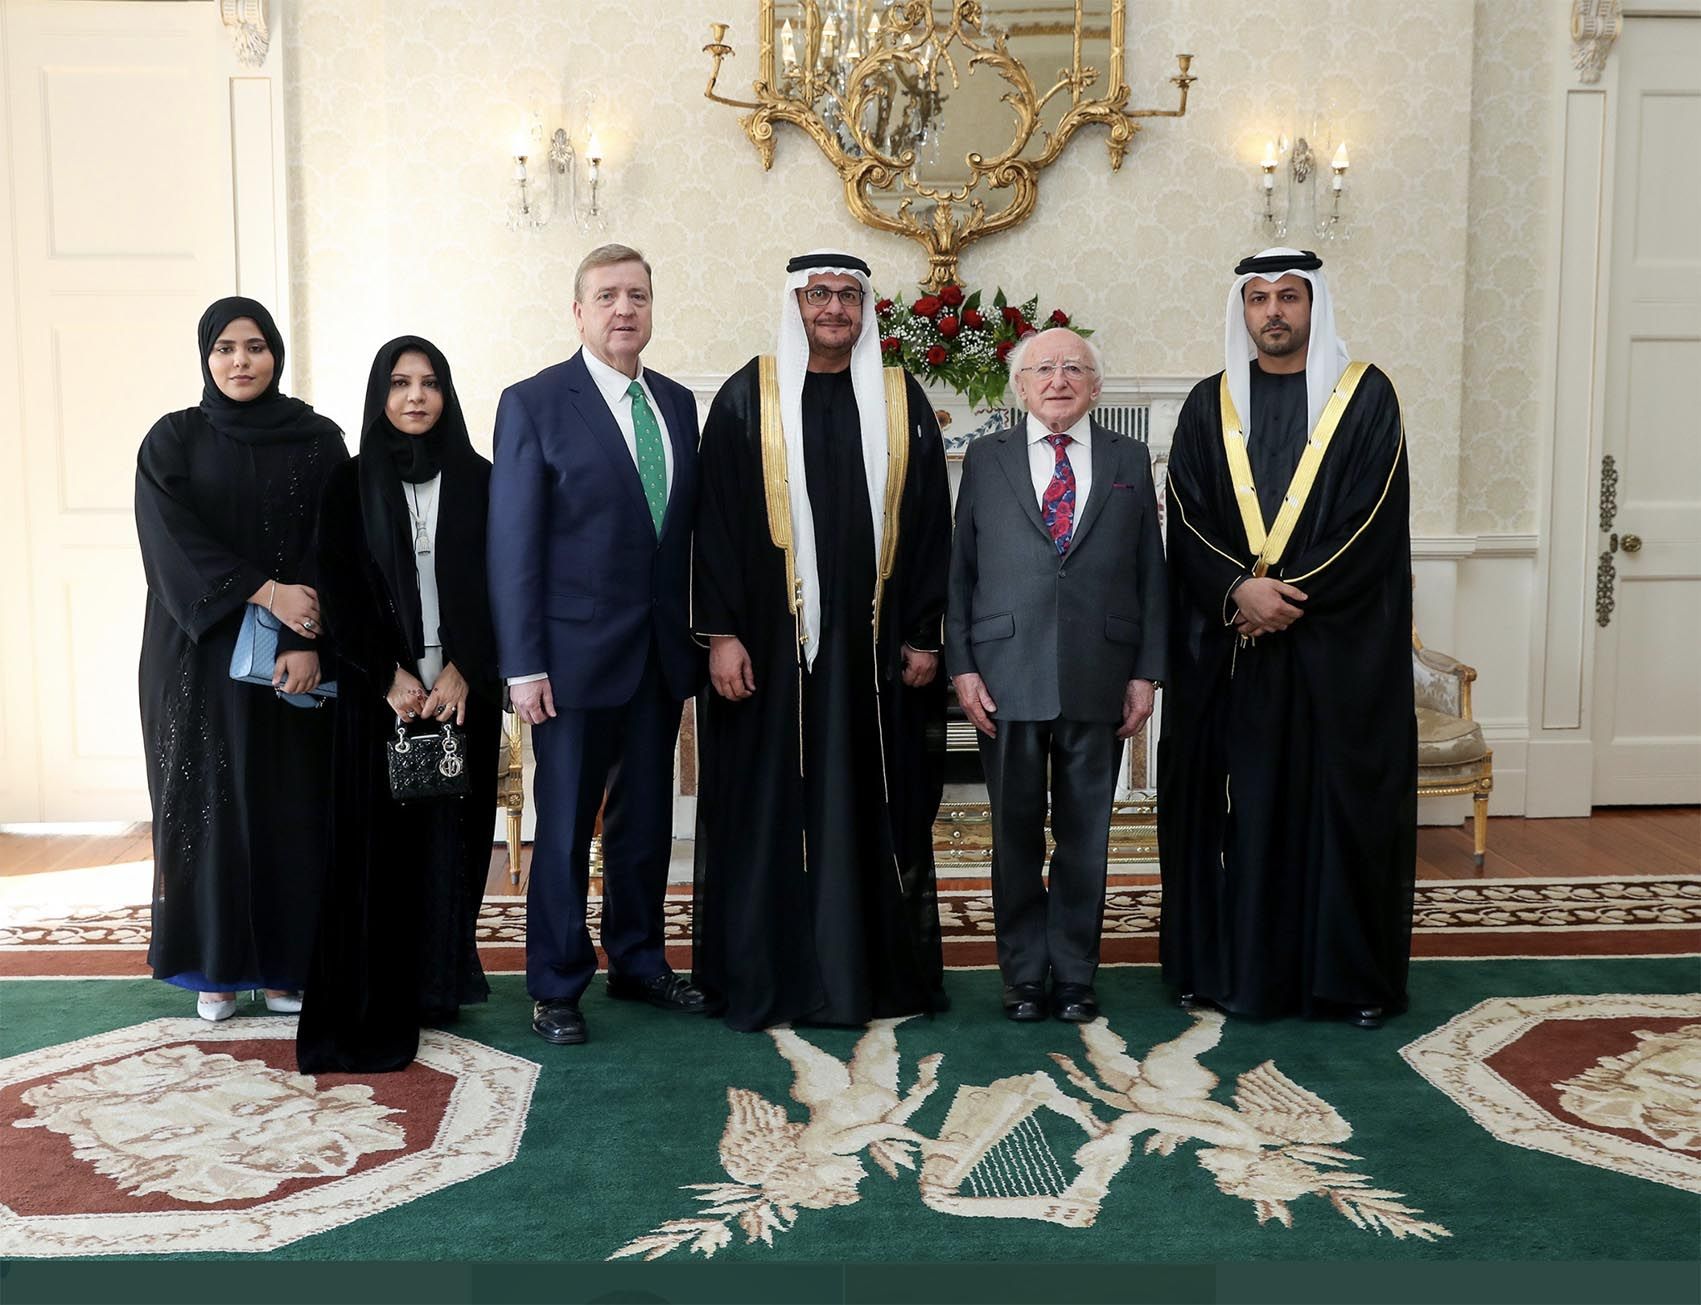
(288, 1004)
(214, 1009)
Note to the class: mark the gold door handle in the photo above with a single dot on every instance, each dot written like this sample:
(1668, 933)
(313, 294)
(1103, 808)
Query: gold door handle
(1631, 543)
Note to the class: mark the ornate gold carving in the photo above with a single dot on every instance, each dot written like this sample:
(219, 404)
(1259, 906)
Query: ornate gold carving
(913, 50)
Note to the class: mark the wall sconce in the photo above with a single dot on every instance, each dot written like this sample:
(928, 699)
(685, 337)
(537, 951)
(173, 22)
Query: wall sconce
(593, 174)
(1333, 224)
(532, 204)
(526, 207)
(1298, 209)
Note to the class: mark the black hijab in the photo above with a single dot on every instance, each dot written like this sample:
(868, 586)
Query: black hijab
(270, 416)
(388, 457)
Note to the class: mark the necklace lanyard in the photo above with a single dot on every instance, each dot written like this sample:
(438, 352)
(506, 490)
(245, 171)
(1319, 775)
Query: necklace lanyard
(421, 522)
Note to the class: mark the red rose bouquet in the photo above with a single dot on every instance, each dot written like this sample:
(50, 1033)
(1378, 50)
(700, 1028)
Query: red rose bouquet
(948, 336)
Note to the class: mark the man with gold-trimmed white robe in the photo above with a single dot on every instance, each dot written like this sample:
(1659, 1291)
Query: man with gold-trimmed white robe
(1287, 766)
(819, 572)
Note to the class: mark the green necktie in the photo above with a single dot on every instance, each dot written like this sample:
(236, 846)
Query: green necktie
(652, 461)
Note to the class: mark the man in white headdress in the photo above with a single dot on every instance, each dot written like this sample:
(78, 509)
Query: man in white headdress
(819, 570)
(1287, 768)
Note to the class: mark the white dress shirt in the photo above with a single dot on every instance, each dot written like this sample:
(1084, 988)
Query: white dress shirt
(424, 500)
(613, 387)
(1042, 461)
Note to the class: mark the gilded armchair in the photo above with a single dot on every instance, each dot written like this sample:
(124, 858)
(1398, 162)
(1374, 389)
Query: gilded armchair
(1453, 756)
(511, 787)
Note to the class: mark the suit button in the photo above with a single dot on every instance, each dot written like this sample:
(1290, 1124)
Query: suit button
(1061, 572)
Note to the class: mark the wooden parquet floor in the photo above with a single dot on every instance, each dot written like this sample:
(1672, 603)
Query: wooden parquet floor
(1613, 841)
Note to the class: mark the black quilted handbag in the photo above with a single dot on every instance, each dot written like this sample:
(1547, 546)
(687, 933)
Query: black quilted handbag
(428, 764)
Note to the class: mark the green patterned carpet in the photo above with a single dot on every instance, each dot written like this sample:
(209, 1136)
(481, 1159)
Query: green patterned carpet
(1155, 1137)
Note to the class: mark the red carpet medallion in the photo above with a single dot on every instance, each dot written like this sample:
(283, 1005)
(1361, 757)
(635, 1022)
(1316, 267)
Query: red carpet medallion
(1612, 1080)
(175, 1135)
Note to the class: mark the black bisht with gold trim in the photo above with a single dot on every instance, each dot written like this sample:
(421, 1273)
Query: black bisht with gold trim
(1287, 767)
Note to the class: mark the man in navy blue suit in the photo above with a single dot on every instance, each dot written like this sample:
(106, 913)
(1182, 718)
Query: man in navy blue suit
(592, 497)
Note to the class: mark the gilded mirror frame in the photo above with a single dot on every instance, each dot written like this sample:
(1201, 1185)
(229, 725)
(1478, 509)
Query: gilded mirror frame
(914, 44)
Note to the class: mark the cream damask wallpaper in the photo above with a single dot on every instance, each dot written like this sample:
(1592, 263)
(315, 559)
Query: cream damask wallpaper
(1519, 51)
(399, 116)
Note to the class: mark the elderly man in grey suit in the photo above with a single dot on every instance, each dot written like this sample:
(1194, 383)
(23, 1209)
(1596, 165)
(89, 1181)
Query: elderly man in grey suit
(1055, 640)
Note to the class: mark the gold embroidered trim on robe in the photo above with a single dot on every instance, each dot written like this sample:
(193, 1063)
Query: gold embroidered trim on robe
(1268, 547)
(897, 470)
(774, 480)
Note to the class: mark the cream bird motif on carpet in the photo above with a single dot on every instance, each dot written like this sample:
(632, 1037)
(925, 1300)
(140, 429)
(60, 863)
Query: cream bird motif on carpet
(779, 1167)
(992, 1157)
(1278, 1142)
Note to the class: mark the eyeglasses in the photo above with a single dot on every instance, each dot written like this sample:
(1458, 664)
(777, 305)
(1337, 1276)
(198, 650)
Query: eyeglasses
(818, 296)
(1072, 371)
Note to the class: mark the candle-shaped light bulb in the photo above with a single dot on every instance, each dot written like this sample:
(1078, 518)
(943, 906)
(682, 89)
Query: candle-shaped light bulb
(1340, 160)
(853, 51)
(874, 29)
(1269, 154)
(788, 45)
(593, 148)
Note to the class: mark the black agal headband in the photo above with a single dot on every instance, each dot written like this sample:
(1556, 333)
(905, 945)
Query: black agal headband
(816, 262)
(1304, 261)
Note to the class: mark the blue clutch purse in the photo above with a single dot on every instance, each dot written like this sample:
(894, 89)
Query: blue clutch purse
(254, 659)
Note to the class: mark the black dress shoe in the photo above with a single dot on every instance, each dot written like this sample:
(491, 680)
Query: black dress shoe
(1024, 1002)
(666, 991)
(1193, 1001)
(939, 1000)
(1367, 1017)
(559, 1022)
(1074, 1003)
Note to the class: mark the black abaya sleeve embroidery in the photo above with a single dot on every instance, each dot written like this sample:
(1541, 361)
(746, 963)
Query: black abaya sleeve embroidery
(193, 573)
(321, 463)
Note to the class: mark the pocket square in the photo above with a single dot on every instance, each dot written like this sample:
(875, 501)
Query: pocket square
(1117, 484)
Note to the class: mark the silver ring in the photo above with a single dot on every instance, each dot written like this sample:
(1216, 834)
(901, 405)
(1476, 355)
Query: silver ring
(409, 715)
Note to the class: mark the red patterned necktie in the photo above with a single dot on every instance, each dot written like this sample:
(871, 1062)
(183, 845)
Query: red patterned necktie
(1057, 506)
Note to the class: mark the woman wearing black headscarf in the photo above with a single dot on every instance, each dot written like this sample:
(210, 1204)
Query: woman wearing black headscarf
(401, 577)
(240, 781)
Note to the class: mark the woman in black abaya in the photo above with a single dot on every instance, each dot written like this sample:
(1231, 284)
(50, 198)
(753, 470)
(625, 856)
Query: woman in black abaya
(239, 780)
(401, 576)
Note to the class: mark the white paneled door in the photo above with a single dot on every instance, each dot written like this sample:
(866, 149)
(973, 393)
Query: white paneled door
(118, 132)
(1647, 727)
